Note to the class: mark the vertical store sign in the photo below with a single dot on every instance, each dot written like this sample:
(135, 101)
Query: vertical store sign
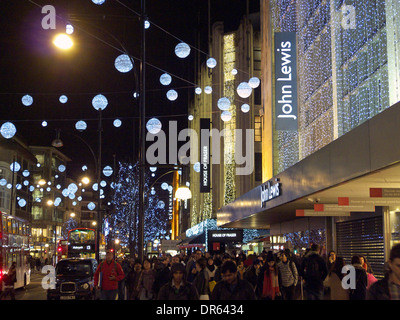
(205, 155)
(285, 81)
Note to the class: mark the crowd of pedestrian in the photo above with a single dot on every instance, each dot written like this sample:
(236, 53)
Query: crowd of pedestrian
(268, 276)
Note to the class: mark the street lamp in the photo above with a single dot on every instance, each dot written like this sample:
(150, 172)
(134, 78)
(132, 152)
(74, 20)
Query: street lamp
(63, 41)
(50, 203)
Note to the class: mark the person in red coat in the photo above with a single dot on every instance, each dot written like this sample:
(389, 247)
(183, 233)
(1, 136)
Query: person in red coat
(111, 272)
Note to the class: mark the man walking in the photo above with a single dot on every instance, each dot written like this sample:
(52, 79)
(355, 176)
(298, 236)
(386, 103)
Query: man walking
(109, 273)
(314, 271)
(289, 276)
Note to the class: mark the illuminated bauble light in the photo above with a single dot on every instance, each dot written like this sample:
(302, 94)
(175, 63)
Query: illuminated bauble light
(26, 183)
(9, 186)
(117, 123)
(48, 189)
(27, 100)
(245, 108)
(91, 206)
(211, 63)
(8, 130)
(135, 95)
(84, 168)
(147, 24)
(57, 201)
(153, 126)
(161, 204)
(107, 171)
(182, 50)
(25, 173)
(254, 82)
(31, 188)
(63, 99)
(103, 183)
(190, 117)
(196, 167)
(164, 186)
(165, 79)
(73, 188)
(80, 125)
(61, 168)
(69, 29)
(226, 116)
(3, 182)
(172, 95)
(79, 198)
(153, 192)
(153, 169)
(208, 90)
(224, 104)
(99, 102)
(38, 165)
(22, 202)
(98, 2)
(188, 184)
(244, 90)
(44, 124)
(58, 186)
(234, 72)
(123, 63)
(170, 188)
(15, 166)
(18, 186)
(95, 187)
(74, 203)
(198, 90)
(71, 196)
(65, 192)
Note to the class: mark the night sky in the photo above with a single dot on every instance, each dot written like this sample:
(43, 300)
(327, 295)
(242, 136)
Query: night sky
(30, 64)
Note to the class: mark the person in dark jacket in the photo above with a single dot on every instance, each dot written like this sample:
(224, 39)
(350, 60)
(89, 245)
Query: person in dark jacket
(251, 273)
(313, 270)
(162, 275)
(178, 288)
(202, 278)
(231, 287)
(132, 281)
(360, 291)
(389, 287)
(9, 282)
(218, 274)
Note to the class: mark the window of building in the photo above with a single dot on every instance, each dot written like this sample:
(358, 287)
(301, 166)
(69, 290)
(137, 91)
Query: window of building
(257, 129)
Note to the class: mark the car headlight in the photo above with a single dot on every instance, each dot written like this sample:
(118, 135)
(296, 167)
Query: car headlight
(85, 286)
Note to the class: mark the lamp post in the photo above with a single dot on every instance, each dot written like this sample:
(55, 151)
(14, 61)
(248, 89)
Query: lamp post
(50, 203)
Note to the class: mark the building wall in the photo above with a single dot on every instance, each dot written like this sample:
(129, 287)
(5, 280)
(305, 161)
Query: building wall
(346, 73)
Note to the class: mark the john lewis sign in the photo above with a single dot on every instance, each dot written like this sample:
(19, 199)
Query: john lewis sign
(285, 81)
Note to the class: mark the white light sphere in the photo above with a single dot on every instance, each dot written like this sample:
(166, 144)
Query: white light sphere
(153, 192)
(164, 186)
(245, 108)
(63, 99)
(8, 130)
(161, 204)
(244, 90)
(80, 125)
(254, 82)
(27, 100)
(190, 117)
(71, 196)
(91, 206)
(57, 201)
(153, 126)
(107, 171)
(170, 188)
(26, 183)
(9, 186)
(165, 79)
(95, 187)
(22, 202)
(196, 167)
(208, 89)
(182, 50)
(58, 186)
(84, 168)
(3, 182)
(61, 168)
(98, 2)
(153, 169)
(31, 188)
(117, 123)
(172, 95)
(226, 116)
(15, 166)
(103, 184)
(211, 63)
(65, 192)
(25, 173)
(73, 188)
(198, 90)
(99, 102)
(234, 72)
(224, 104)
(69, 29)
(44, 124)
(147, 24)
(123, 63)
(187, 184)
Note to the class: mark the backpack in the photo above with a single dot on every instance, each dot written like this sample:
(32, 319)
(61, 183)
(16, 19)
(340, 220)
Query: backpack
(312, 269)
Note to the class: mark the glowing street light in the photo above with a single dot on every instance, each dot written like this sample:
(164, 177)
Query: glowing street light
(85, 180)
(63, 41)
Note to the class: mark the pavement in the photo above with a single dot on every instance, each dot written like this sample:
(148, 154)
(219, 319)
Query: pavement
(34, 290)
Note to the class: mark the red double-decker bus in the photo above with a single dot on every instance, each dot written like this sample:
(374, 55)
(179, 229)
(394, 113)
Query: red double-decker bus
(14, 247)
(62, 249)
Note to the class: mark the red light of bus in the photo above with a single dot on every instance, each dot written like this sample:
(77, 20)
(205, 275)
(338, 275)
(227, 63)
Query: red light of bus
(59, 249)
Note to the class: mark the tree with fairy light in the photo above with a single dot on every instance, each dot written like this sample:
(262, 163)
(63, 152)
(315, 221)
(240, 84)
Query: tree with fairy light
(68, 226)
(124, 221)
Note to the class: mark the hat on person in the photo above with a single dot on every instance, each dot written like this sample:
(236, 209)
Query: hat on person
(178, 267)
